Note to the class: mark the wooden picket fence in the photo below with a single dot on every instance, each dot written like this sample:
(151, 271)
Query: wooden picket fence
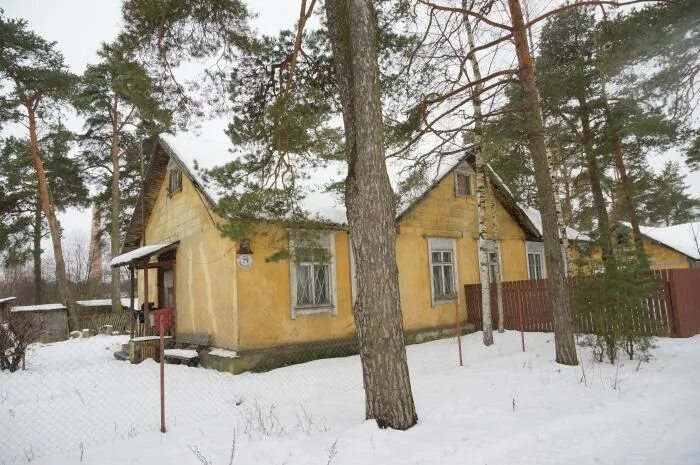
(674, 311)
(120, 321)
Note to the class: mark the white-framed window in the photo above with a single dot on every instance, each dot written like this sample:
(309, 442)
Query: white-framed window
(463, 184)
(312, 270)
(174, 178)
(535, 260)
(443, 269)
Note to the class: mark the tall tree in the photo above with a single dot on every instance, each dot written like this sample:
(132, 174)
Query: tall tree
(669, 202)
(24, 226)
(121, 104)
(36, 75)
(480, 155)
(371, 215)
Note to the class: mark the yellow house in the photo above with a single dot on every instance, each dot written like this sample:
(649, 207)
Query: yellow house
(262, 308)
(669, 247)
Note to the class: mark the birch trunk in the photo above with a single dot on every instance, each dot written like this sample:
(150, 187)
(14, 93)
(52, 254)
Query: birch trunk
(480, 191)
(565, 252)
(498, 278)
(563, 326)
(371, 216)
(115, 206)
(47, 207)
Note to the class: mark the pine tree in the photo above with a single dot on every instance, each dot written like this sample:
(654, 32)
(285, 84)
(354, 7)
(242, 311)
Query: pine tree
(377, 309)
(34, 75)
(121, 105)
(24, 226)
(668, 202)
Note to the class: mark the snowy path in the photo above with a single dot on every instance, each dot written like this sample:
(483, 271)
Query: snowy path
(502, 407)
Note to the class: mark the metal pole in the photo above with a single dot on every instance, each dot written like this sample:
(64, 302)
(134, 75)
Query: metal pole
(162, 373)
(459, 333)
(520, 318)
(131, 301)
(146, 306)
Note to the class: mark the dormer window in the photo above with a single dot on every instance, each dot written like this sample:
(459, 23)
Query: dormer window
(175, 179)
(463, 184)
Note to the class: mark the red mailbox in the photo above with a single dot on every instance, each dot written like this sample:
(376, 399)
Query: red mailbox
(165, 314)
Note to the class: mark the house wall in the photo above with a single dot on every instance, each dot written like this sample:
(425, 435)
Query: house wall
(264, 295)
(205, 271)
(441, 214)
(664, 258)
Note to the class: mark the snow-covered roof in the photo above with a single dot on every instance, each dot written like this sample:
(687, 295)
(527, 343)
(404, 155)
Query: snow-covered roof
(684, 238)
(536, 218)
(210, 148)
(37, 308)
(141, 252)
(7, 299)
(102, 302)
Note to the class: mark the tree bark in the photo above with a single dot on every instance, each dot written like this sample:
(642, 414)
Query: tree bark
(498, 277)
(47, 207)
(36, 253)
(628, 190)
(563, 326)
(115, 207)
(371, 216)
(560, 220)
(487, 324)
(595, 178)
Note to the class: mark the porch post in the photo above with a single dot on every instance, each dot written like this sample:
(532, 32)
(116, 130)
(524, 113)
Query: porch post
(174, 326)
(146, 307)
(131, 300)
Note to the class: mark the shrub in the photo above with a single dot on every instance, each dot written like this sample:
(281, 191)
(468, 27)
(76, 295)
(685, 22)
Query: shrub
(15, 336)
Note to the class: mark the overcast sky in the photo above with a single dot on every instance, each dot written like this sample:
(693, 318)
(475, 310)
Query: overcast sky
(79, 26)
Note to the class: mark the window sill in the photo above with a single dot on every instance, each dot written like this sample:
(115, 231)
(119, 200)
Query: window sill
(299, 311)
(443, 301)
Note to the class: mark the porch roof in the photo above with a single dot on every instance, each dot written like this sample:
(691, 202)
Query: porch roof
(140, 254)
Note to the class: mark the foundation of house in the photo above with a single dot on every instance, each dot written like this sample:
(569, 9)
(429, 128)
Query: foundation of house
(265, 359)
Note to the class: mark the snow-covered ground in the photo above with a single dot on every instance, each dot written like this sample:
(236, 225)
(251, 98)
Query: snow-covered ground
(77, 404)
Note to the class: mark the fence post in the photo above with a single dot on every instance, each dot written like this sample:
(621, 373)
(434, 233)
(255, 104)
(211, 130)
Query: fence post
(161, 322)
(520, 320)
(458, 329)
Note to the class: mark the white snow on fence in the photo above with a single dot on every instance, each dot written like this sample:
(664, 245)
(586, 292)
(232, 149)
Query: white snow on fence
(7, 299)
(102, 302)
(38, 308)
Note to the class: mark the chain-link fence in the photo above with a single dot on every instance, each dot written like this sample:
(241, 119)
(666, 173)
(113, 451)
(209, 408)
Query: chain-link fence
(74, 394)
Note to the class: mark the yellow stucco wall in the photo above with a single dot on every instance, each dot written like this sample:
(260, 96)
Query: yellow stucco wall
(441, 214)
(251, 308)
(205, 273)
(663, 258)
(264, 297)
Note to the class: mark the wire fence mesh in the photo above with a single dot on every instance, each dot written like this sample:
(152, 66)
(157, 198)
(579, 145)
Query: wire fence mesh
(74, 394)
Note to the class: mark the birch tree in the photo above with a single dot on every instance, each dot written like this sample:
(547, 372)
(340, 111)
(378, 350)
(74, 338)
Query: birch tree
(479, 142)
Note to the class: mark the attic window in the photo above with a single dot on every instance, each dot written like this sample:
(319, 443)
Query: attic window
(463, 185)
(175, 180)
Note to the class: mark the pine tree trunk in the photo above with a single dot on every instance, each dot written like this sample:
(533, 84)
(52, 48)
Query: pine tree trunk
(115, 206)
(558, 293)
(498, 277)
(47, 207)
(36, 253)
(628, 190)
(595, 178)
(371, 217)
(482, 244)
